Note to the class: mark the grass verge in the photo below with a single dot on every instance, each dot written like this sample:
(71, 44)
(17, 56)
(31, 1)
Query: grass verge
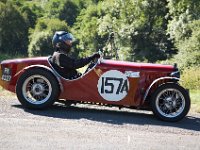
(195, 100)
(5, 93)
(191, 78)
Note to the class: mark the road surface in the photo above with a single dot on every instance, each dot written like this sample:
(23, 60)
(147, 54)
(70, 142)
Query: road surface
(92, 127)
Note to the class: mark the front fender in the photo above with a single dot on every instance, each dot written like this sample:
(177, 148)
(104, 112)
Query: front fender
(17, 75)
(155, 81)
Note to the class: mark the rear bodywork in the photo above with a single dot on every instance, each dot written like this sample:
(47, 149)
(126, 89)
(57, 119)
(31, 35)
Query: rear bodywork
(108, 82)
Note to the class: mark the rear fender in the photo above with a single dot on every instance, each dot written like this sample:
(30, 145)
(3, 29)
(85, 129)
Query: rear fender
(155, 81)
(42, 67)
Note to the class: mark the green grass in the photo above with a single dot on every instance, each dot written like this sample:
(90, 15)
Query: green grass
(191, 78)
(195, 100)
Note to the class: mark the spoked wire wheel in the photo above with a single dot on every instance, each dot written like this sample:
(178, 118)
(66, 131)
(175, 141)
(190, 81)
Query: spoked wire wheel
(170, 102)
(37, 88)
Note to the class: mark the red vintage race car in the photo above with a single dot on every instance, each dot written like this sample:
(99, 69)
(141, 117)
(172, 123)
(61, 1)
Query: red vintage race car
(38, 85)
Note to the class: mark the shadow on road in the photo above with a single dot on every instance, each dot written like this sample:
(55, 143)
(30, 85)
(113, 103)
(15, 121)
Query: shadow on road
(112, 116)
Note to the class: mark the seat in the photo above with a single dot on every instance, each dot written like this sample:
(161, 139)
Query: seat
(62, 72)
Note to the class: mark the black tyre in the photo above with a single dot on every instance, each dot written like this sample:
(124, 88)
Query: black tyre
(170, 102)
(37, 89)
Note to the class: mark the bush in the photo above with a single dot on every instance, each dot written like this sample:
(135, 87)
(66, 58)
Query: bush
(191, 78)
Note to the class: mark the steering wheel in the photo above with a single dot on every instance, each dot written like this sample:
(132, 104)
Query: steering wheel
(94, 62)
(91, 65)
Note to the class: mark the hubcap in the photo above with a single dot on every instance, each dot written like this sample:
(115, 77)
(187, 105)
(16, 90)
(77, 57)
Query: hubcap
(170, 103)
(37, 89)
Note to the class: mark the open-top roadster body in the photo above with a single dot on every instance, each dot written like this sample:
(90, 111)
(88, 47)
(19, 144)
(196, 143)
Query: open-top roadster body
(107, 82)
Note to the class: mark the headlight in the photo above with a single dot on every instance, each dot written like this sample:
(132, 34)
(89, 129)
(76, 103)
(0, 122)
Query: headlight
(176, 72)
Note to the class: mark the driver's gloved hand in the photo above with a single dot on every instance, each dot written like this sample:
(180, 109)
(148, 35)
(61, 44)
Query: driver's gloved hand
(95, 56)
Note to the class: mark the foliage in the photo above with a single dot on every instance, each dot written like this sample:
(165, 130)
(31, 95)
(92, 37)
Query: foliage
(141, 26)
(29, 16)
(184, 29)
(13, 30)
(86, 30)
(181, 13)
(41, 37)
(191, 78)
(189, 54)
(66, 10)
(195, 101)
(41, 44)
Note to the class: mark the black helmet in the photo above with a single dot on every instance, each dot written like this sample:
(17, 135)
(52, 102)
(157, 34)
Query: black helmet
(60, 37)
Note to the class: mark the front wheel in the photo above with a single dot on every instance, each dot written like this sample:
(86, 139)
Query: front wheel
(170, 102)
(37, 89)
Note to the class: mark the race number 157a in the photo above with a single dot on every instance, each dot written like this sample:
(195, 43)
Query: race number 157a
(113, 85)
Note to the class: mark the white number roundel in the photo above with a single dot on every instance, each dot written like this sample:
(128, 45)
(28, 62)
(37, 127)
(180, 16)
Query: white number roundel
(113, 85)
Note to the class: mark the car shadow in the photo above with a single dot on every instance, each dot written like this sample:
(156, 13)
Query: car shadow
(118, 117)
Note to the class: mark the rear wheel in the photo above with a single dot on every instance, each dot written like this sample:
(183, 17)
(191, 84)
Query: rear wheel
(37, 89)
(170, 102)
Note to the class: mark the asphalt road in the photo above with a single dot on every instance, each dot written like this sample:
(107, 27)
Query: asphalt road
(92, 127)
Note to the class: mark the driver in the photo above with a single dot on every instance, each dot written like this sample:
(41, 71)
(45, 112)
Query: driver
(66, 66)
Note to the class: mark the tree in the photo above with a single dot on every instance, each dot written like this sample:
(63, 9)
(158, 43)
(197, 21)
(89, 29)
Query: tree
(86, 30)
(189, 47)
(69, 12)
(141, 26)
(41, 36)
(183, 29)
(29, 16)
(66, 10)
(13, 30)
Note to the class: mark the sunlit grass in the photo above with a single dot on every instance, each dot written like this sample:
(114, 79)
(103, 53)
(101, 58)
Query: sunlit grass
(195, 100)
(191, 78)
(5, 93)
